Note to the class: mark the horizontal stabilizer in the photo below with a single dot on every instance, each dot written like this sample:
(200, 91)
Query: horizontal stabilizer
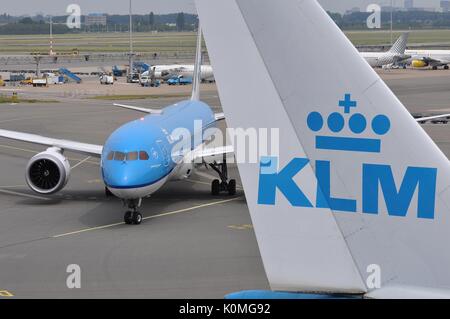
(429, 118)
(139, 109)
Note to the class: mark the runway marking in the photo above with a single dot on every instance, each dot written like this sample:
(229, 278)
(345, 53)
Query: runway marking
(12, 186)
(95, 181)
(4, 191)
(196, 182)
(81, 162)
(6, 294)
(241, 227)
(37, 152)
(184, 210)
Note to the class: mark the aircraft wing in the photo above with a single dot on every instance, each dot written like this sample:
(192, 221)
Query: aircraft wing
(77, 147)
(211, 153)
(139, 109)
(429, 118)
(217, 116)
(431, 61)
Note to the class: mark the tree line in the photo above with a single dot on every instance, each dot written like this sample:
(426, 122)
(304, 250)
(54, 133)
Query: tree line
(401, 19)
(188, 22)
(10, 25)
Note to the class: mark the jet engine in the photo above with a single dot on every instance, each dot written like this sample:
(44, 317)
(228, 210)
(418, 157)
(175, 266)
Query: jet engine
(48, 172)
(419, 64)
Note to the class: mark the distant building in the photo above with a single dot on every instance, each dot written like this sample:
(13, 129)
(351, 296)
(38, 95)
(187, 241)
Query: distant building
(95, 19)
(445, 6)
(353, 10)
(425, 9)
(409, 4)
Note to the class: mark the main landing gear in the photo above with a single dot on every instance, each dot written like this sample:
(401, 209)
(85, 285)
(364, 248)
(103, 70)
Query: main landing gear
(222, 185)
(133, 216)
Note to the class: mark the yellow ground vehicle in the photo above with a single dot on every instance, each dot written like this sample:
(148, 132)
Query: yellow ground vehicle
(27, 81)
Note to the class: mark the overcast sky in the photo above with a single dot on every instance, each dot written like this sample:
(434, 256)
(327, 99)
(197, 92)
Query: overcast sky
(58, 7)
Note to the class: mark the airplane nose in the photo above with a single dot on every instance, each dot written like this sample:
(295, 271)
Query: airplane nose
(121, 176)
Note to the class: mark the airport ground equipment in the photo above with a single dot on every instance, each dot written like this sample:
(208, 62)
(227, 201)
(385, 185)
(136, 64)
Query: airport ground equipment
(107, 79)
(41, 82)
(179, 80)
(70, 75)
(117, 72)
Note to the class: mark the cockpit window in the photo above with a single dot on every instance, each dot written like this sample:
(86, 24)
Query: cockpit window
(143, 156)
(132, 156)
(119, 156)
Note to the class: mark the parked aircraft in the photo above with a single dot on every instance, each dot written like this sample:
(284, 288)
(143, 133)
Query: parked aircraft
(394, 55)
(429, 58)
(166, 72)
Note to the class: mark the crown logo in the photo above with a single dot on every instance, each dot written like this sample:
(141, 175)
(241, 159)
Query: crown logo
(357, 124)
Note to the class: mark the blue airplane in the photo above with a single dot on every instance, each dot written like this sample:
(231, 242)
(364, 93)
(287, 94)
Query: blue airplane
(138, 158)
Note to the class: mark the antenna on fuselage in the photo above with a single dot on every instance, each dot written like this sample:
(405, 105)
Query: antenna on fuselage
(198, 67)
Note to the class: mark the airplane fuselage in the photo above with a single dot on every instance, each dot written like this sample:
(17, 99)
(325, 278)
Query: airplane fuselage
(186, 70)
(432, 57)
(379, 59)
(137, 158)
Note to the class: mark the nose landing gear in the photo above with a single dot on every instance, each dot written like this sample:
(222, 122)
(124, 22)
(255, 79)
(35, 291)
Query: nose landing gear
(222, 185)
(133, 216)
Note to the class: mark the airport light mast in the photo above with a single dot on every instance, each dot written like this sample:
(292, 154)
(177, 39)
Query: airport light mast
(130, 69)
(392, 21)
(51, 36)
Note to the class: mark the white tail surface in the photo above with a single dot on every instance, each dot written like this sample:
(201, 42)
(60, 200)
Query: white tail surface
(399, 46)
(358, 185)
(197, 79)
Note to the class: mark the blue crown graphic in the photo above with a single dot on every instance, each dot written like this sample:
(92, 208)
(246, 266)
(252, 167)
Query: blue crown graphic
(357, 123)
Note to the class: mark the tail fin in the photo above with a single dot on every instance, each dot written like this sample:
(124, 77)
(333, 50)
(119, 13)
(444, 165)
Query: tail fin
(358, 186)
(399, 46)
(198, 67)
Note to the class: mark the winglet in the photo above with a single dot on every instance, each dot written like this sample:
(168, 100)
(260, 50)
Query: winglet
(198, 67)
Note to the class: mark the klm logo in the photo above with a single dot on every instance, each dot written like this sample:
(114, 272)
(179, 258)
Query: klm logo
(357, 123)
(375, 177)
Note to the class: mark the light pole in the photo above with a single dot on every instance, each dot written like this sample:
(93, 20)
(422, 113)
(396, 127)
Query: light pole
(131, 40)
(392, 21)
(51, 35)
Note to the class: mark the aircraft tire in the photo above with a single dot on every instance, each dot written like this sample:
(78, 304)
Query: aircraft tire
(137, 218)
(232, 187)
(128, 218)
(215, 187)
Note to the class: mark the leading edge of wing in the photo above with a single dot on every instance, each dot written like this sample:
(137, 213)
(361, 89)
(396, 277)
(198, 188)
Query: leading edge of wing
(78, 147)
